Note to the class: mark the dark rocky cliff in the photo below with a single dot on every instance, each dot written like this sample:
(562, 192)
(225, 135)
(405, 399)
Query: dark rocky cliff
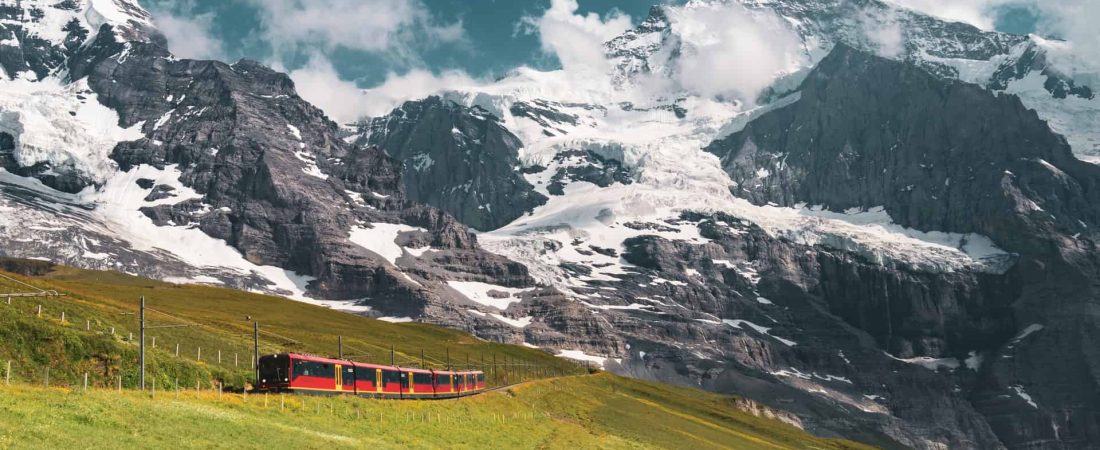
(944, 155)
(458, 159)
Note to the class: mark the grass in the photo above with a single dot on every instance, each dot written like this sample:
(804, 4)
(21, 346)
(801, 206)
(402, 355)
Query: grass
(97, 303)
(598, 411)
(554, 407)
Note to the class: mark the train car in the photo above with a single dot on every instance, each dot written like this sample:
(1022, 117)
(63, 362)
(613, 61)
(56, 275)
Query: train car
(463, 382)
(444, 384)
(288, 372)
(293, 372)
(373, 380)
(417, 383)
(480, 380)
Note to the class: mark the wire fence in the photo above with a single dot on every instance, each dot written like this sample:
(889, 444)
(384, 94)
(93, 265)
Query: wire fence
(79, 349)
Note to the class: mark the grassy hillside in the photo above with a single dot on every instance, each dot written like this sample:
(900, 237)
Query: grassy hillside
(598, 411)
(560, 408)
(98, 302)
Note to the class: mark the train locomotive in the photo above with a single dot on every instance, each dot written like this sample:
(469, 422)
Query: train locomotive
(298, 373)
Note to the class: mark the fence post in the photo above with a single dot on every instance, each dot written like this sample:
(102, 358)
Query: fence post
(235, 360)
(154, 342)
(120, 383)
(7, 374)
(199, 357)
(62, 317)
(112, 331)
(39, 314)
(85, 381)
(87, 325)
(9, 299)
(47, 376)
(177, 349)
(219, 356)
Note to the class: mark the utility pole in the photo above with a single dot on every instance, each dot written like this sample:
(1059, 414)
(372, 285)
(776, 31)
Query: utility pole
(340, 347)
(142, 355)
(256, 352)
(392, 362)
(449, 358)
(422, 363)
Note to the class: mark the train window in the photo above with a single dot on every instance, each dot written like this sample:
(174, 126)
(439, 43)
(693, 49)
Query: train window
(274, 368)
(481, 378)
(365, 374)
(391, 376)
(443, 380)
(422, 378)
(313, 369)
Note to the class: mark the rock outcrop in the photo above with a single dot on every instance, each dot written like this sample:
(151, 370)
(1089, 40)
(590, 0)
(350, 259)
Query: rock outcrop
(459, 159)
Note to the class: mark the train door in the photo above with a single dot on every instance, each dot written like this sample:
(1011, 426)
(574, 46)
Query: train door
(406, 383)
(339, 371)
(347, 378)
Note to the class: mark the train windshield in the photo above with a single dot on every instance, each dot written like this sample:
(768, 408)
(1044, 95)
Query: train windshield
(273, 369)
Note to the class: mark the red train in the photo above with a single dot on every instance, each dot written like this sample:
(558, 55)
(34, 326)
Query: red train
(292, 372)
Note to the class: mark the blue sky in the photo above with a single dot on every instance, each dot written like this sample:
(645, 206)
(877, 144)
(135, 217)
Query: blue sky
(399, 49)
(494, 37)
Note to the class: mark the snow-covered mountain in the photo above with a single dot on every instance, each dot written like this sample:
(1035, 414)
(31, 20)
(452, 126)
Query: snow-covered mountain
(883, 227)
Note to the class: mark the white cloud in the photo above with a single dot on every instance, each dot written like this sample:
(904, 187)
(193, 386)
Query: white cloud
(189, 33)
(319, 83)
(1075, 21)
(415, 84)
(883, 30)
(396, 30)
(392, 27)
(732, 52)
(577, 40)
(978, 13)
(190, 37)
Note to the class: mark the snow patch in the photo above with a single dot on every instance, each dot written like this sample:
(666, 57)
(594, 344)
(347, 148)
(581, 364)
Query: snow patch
(380, 238)
(52, 125)
(491, 295)
(759, 329)
(579, 355)
(396, 319)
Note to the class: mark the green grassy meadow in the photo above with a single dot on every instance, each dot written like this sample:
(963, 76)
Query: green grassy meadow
(593, 411)
(550, 402)
(97, 303)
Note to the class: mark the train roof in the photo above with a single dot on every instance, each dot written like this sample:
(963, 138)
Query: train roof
(315, 358)
(321, 359)
(372, 366)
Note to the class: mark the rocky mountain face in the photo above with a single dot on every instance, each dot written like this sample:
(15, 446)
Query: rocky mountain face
(459, 159)
(946, 155)
(231, 153)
